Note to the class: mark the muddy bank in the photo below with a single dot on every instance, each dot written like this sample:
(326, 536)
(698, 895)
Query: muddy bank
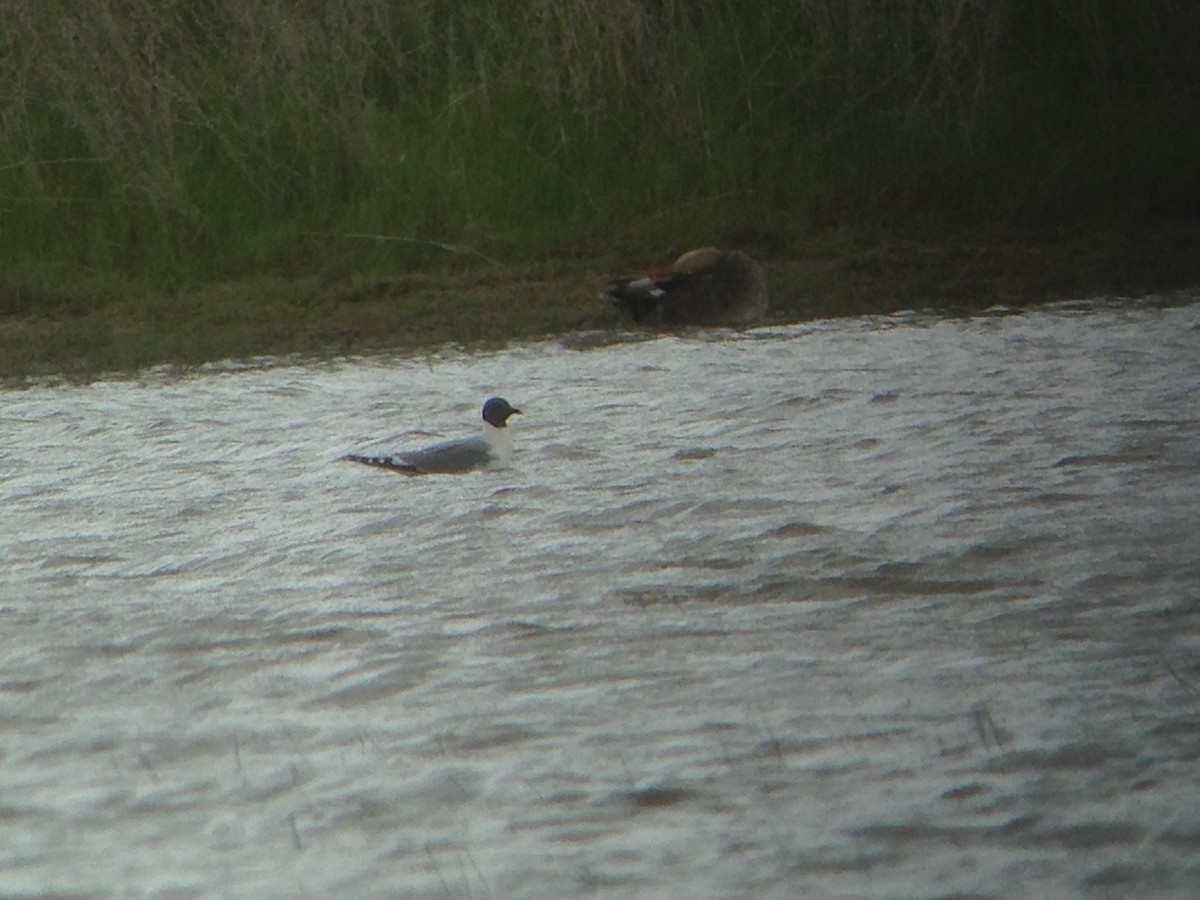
(80, 333)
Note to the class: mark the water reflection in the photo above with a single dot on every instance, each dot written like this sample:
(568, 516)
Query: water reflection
(891, 607)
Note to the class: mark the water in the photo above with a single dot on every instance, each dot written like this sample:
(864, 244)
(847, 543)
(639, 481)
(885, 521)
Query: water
(899, 607)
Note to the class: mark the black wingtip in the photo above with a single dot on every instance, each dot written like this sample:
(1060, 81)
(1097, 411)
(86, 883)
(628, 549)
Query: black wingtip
(381, 462)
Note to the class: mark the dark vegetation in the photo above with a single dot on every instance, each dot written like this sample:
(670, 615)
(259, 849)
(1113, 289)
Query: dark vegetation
(187, 180)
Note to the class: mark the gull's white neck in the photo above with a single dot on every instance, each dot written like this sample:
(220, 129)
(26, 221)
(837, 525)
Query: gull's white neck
(499, 441)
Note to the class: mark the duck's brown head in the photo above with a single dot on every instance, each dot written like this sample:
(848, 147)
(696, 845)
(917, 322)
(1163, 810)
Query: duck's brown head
(694, 260)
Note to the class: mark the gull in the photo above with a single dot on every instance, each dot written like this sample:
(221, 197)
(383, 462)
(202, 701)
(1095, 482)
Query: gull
(490, 450)
(701, 287)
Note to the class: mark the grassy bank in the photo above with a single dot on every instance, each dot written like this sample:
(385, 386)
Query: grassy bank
(137, 326)
(213, 178)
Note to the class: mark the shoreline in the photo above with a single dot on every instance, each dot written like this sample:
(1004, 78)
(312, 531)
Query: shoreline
(81, 334)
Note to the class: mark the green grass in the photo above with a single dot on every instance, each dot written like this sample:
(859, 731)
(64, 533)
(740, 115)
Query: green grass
(101, 330)
(154, 152)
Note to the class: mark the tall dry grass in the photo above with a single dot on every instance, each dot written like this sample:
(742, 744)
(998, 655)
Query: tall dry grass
(208, 138)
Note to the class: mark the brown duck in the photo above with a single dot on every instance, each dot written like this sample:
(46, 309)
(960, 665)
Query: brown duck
(701, 287)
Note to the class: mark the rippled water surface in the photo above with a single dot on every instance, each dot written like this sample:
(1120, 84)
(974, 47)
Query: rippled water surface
(883, 608)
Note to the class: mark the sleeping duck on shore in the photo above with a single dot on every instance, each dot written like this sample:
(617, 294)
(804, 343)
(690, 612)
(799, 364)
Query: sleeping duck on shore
(701, 287)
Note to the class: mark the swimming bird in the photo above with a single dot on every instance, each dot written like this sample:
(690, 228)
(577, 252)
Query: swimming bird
(490, 450)
(701, 287)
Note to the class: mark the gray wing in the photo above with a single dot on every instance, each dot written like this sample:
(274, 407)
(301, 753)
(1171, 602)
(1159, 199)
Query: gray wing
(460, 455)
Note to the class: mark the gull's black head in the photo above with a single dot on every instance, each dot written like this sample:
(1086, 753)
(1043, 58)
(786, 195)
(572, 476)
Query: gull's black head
(497, 410)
